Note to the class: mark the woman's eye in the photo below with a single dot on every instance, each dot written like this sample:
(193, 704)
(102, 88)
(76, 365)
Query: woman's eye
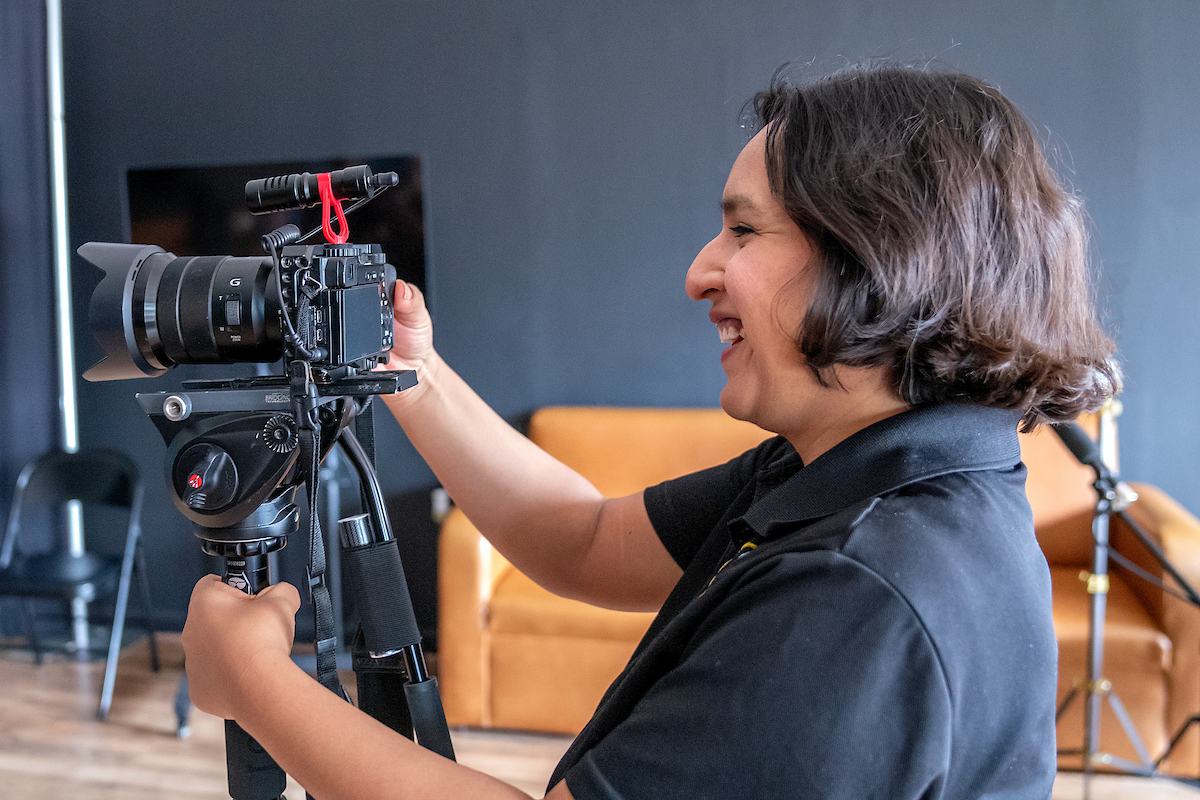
(741, 230)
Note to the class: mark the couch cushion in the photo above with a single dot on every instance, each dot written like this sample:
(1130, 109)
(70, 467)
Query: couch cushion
(624, 450)
(551, 683)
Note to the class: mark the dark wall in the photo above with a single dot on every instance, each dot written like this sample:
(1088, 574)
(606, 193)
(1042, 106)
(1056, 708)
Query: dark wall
(27, 278)
(28, 378)
(573, 157)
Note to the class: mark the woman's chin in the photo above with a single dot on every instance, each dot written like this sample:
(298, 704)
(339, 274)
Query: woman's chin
(735, 406)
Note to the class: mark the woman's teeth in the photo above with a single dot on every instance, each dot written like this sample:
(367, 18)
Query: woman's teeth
(730, 330)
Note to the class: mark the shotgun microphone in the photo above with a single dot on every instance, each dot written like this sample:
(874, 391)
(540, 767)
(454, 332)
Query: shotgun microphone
(300, 190)
(1083, 447)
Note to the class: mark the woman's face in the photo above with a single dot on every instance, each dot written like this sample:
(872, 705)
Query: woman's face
(758, 273)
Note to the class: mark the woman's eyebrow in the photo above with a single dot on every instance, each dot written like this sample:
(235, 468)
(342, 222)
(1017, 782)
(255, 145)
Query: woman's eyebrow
(737, 202)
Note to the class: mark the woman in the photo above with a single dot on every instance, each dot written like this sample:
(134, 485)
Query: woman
(857, 607)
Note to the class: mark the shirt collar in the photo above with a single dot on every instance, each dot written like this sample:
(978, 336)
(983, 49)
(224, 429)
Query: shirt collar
(921, 443)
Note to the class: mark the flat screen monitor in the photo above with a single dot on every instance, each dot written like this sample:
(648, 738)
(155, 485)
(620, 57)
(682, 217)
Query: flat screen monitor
(201, 211)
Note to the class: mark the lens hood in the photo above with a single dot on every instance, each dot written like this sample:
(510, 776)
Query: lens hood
(112, 314)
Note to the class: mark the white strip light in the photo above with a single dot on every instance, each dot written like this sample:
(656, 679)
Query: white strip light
(68, 401)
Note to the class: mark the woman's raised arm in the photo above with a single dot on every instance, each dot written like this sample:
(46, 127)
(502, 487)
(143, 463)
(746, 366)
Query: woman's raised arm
(544, 517)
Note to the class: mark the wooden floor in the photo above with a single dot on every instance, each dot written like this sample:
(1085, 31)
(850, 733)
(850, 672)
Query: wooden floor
(52, 748)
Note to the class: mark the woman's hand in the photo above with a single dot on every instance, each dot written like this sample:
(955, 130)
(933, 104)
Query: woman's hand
(412, 341)
(412, 329)
(230, 636)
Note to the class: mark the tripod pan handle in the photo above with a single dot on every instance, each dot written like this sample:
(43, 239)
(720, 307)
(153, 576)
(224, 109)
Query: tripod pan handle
(428, 717)
(253, 774)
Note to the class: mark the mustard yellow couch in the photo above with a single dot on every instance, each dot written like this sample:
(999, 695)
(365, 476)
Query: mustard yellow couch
(512, 655)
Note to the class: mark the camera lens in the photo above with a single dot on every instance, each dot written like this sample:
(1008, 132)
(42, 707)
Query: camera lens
(153, 310)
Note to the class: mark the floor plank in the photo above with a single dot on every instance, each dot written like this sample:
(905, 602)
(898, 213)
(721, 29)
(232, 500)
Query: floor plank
(51, 746)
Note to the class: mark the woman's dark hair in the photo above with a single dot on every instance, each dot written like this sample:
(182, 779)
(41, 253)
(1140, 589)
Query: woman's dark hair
(950, 251)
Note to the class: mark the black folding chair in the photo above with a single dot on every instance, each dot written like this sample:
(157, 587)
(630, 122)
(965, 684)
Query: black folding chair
(103, 477)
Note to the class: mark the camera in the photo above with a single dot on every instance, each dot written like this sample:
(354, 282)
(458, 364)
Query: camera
(239, 449)
(324, 309)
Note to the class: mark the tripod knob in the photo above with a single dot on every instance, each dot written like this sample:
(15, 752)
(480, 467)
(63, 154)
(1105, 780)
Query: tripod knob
(206, 477)
(280, 434)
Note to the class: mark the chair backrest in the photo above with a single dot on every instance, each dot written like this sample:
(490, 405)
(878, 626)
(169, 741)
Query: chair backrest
(1060, 492)
(101, 476)
(90, 476)
(624, 450)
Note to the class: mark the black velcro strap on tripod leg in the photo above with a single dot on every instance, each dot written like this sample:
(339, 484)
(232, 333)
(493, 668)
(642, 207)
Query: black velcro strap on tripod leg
(318, 588)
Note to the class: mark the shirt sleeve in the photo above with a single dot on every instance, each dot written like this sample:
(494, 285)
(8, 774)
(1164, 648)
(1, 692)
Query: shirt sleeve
(684, 511)
(811, 678)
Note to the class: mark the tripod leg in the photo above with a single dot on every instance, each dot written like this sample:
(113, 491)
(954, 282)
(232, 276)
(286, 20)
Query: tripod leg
(1183, 729)
(1062, 707)
(31, 631)
(426, 704)
(380, 683)
(1097, 587)
(147, 606)
(389, 626)
(1130, 731)
(253, 774)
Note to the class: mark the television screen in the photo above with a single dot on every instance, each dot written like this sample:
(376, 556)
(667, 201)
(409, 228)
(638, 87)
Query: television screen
(201, 211)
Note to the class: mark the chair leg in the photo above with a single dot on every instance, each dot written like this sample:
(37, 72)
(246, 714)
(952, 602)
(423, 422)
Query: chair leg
(147, 607)
(110, 664)
(118, 631)
(31, 630)
(183, 708)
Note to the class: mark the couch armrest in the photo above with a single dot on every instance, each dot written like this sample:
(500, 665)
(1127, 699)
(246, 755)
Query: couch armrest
(468, 568)
(1177, 532)
(1176, 529)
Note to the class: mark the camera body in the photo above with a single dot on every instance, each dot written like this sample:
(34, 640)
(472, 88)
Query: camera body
(347, 289)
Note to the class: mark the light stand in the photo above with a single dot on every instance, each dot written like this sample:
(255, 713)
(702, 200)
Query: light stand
(1113, 497)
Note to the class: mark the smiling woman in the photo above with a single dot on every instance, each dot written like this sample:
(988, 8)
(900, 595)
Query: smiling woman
(855, 608)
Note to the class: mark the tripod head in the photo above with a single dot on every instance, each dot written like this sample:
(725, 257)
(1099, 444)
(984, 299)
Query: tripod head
(233, 451)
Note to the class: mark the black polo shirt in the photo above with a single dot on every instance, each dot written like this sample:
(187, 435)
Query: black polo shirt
(875, 624)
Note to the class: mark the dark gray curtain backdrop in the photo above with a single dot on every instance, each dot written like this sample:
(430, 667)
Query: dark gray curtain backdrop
(28, 373)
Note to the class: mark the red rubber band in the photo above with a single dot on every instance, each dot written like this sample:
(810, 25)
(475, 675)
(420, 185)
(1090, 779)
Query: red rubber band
(328, 201)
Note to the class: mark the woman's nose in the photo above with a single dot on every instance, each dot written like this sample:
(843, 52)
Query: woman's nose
(705, 273)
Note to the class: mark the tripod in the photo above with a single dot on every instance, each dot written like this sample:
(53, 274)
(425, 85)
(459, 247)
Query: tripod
(1112, 497)
(234, 464)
